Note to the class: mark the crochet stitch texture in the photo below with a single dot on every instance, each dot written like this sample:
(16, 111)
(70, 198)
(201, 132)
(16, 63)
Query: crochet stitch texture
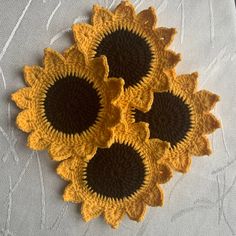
(124, 178)
(70, 105)
(136, 49)
(113, 112)
(181, 116)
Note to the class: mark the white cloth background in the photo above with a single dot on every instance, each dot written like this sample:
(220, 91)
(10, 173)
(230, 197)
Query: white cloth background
(202, 202)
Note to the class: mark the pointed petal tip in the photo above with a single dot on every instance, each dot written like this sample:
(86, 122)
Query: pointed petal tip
(174, 31)
(195, 74)
(14, 96)
(201, 147)
(217, 98)
(48, 50)
(147, 17)
(209, 152)
(164, 173)
(125, 10)
(70, 194)
(155, 197)
(96, 6)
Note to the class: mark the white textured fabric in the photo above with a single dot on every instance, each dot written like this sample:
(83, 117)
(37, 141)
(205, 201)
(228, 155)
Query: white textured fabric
(201, 202)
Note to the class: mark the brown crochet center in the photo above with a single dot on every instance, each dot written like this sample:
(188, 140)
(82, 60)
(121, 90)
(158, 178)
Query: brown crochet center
(71, 105)
(169, 118)
(117, 172)
(129, 55)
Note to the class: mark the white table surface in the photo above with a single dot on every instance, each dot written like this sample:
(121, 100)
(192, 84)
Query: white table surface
(202, 202)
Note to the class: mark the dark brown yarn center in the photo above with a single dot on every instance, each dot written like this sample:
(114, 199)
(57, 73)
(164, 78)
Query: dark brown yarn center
(129, 55)
(169, 118)
(116, 172)
(71, 105)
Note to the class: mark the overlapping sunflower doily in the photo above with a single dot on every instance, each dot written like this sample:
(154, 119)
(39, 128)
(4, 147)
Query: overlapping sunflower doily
(113, 111)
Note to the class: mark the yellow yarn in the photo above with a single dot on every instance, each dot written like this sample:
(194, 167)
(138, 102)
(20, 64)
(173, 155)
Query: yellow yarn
(43, 135)
(144, 24)
(200, 103)
(113, 209)
(116, 122)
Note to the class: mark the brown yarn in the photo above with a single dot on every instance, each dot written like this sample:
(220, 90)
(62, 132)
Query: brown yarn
(169, 118)
(129, 55)
(71, 105)
(116, 172)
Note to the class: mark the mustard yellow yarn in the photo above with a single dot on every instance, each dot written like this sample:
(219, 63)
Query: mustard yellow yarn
(202, 122)
(150, 193)
(117, 163)
(33, 119)
(143, 25)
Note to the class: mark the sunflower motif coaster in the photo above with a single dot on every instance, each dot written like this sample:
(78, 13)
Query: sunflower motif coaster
(70, 105)
(181, 116)
(114, 113)
(121, 179)
(135, 48)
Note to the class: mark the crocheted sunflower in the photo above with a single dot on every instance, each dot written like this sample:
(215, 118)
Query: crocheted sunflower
(181, 116)
(121, 179)
(70, 105)
(135, 48)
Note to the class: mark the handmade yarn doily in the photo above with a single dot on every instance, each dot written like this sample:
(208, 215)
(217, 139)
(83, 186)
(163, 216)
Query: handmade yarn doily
(113, 111)
(124, 178)
(135, 48)
(181, 116)
(70, 105)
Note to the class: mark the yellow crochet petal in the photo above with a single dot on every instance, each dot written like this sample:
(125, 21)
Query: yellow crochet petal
(143, 100)
(36, 141)
(180, 161)
(74, 56)
(23, 97)
(67, 169)
(164, 173)
(86, 151)
(52, 59)
(136, 211)
(169, 59)
(99, 67)
(90, 211)
(205, 101)
(148, 46)
(100, 15)
(25, 121)
(187, 113)
(83, 126)
(115, 88)
(187, 84)
(154, 197)
(140, 131)
(124, 10)
(201, 147)
(159, 147)
(32, 74)
(105, 140)
(208, 123)
(147, 18)
(113, 216)
(165, 36)
(59, 151)
(70, 194)
(130, 144)
(83, 33)
(160, 83)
